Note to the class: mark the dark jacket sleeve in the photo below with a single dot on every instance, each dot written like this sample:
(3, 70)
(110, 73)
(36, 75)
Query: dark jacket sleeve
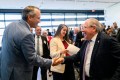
(115, 48)
(28, 49)
(73, 58)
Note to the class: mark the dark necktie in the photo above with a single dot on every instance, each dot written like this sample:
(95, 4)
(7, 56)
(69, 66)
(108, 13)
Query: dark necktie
(38, 52)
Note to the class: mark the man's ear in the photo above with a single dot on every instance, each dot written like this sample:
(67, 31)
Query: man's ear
(94, 27)
(29, 17)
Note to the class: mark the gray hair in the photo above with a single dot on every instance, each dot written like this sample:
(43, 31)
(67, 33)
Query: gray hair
(96, 23)
(29, 10)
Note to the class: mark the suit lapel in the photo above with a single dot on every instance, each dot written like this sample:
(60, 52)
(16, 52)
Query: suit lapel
(95, 49)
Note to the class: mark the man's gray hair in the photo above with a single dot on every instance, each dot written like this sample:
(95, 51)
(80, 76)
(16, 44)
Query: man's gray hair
(29, 10)
(96, 23)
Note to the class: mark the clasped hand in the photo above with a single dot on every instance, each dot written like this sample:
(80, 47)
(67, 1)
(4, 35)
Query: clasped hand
(57, 61)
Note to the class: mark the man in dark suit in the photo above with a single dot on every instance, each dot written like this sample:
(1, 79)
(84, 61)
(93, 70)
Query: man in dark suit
(18, 55)
(71, 35)
(115, 30)
(79, 41)
(99, 55)
(43, 52)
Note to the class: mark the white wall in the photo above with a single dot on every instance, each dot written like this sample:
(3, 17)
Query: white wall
(112, 14)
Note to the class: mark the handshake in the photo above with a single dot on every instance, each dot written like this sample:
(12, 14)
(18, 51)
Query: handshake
(56, 61)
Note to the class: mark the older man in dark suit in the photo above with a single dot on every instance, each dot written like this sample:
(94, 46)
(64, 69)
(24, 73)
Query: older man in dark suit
(18, 53)
(99, 55)
(42, 50)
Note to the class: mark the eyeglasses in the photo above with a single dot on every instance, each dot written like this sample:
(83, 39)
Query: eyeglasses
(83, 27)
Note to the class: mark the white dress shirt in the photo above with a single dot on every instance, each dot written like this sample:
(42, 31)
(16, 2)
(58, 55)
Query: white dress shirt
(40, 45)
(88, 54)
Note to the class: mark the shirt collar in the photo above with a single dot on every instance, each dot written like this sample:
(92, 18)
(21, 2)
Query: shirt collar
(28, 24)
(94, 37)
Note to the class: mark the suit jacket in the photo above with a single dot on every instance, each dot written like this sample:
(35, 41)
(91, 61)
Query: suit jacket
(115, 32)
(105, 59)
(46, 51)
(71, 35)
(18, 53)
(78, 41)
(118, 35)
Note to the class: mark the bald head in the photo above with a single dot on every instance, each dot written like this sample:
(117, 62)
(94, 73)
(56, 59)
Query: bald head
(76, 30)
(92, 22)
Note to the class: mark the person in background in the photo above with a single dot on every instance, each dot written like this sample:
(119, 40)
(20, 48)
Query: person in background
(108, 27)
(103, 28)
(109, 31)
(53, 32)
(71, 35)
(115, 29)
(18, 55)
(31, 30)
(99, 55)
(78, 43)
(58, 48)
(79, 38)
(43, 51)
(45, 33)
(49, 33)
(76, 30)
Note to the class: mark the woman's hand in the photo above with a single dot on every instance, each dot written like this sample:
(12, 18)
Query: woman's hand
(64, 51)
